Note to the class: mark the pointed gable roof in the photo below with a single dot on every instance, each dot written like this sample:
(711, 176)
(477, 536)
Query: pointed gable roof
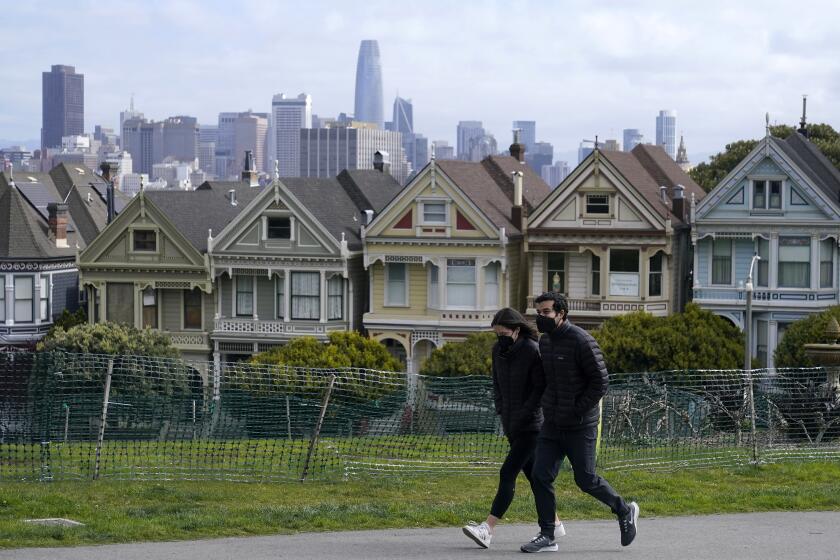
(489, 186)
(813, 163)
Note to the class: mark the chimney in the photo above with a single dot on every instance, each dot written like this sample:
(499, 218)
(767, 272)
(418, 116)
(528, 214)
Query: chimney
(517, 211)
(803, 124)
(109, 190)
(249, 171)
(368, 217)
(57, 212)
(232, 197)
(517, 149)
(679, 202)
(663, 194)
(381, 161)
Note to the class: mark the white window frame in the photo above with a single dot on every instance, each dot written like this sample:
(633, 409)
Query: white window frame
(30, 299)
(830, 242)
(767, 180)
(293, 295)
(475, 284)
(660, 272)
(2, 298)
(586, 204)
(184, 310)
(279, 297)
(237, 311)
(488, 286)
(638, 273)
(423, 221)
(331, 281)
(762, 264)
(46, 298)
(779, 262)
(388, 302)
(433, 296)
(731, 262)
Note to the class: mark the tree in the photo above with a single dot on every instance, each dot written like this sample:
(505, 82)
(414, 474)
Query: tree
(694, 339)
(708, 175)
(69, 319)
(790, 352)
(473, 356)
(109, 338)
(344, 350)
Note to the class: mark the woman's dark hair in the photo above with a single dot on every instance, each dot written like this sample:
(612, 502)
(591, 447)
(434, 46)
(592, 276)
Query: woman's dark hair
(513, 319)
(558, 299)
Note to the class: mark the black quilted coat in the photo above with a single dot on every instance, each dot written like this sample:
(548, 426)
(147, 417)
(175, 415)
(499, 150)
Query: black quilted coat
(518, 383)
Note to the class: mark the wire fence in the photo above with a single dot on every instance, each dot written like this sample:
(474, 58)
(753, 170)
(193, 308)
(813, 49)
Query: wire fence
(72, 416)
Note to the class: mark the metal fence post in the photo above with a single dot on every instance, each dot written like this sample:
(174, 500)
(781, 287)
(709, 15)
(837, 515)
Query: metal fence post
(103, 417)
(314, 441)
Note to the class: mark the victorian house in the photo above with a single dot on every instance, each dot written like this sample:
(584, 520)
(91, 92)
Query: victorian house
(45, 218)
(781, 202)
(446, 253)
(614, 236)
(233, 268)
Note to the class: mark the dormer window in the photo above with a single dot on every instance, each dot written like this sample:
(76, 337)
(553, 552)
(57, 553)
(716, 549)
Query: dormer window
(597, 204)
(434, 212)
(767, 195)
(279, 228)
(145, 240)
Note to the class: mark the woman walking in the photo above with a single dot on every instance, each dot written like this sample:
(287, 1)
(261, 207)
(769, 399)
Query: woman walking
(518, 384)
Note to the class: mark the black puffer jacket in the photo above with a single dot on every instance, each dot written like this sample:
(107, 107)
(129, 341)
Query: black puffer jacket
(575, 378)
(518, 383)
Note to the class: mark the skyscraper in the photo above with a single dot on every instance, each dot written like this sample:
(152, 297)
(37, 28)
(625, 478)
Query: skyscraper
(666, 131)
(403, 116)
(63, 105)
(250, 131)
(443, 150)
(225, 163)
(542, 153)
(289, 116)
(632, 138)
(553, 175)
(527, 134)
(468, 132)
(369, 104)
(129, 113)
(180, 139)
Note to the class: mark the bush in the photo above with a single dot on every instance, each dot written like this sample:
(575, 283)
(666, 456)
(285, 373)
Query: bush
(473, 356)
(790, 351)
(68, 320)
(695, 339)
(109, 338)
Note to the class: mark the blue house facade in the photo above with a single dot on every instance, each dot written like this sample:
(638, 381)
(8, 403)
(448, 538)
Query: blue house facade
(782, 202)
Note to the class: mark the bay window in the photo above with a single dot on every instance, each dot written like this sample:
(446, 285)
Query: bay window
(460, 283)
(722, 262)
(762, 249)
(280, 296)
(335, 297)
(596, 275)
(149, 308)
(44, 306)
(491, 285)
(396, 284)
(556, 270)
(827, 263)
(23, 299)
(2, 298)
(244, 296)
(434, 286)
(624, 272)
(119, 305)
(655, 275)
(794, 262)
(306, 295)
(192, 309)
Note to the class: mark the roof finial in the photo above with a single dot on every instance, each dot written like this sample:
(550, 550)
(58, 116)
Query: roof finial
(596, 141)
(767, 124)
(433, 152)
(276, 170)
(803, 130)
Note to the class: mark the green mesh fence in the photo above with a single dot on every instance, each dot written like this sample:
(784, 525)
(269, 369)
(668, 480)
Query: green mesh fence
(71, 416)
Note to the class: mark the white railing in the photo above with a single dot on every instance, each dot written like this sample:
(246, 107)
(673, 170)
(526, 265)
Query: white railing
(763, 296)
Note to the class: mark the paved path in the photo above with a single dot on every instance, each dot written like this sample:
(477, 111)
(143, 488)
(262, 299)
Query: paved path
(789, 536)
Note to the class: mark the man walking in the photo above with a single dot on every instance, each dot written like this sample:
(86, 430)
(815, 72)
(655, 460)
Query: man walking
(575, 381)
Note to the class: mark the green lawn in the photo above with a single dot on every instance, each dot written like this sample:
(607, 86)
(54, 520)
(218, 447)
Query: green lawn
(115, 511)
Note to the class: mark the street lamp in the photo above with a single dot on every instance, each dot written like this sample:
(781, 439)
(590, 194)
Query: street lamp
(748, 290)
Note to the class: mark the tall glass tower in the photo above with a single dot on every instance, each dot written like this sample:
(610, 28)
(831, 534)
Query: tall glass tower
(369, 105)
(666, 131)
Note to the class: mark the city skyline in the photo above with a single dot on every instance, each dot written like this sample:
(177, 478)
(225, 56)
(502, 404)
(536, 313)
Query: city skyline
(567, 84)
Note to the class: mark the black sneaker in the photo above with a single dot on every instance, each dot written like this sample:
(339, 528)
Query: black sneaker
(540, 543)
(627, 524)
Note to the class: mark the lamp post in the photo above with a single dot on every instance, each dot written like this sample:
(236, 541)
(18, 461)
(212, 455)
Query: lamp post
(748, 290)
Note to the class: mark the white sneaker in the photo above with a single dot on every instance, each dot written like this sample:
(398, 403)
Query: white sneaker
(480, 533)
(559, 530)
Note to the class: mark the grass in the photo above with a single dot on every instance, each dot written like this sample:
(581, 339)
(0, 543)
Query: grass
(116, 511)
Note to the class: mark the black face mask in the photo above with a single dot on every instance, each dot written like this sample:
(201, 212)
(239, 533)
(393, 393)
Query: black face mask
(505, 342)
(546, 324)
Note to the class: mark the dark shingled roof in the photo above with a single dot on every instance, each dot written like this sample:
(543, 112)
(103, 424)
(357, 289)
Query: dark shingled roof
(205, 208)
(649, 167)
(489, 185)
(83, 184)
(24, 229)
(813, 163)
(369, 188)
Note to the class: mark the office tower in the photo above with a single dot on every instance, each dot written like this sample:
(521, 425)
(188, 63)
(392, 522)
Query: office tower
(632, 138)
(553, 175)
(63, 105)
(584, 150)
(369, 104)
(527, 134)
(542, 153)
(403, 116)
(666, 132)
(482, 147)
(610, 145)
(129, 113)
(207, 157)
(443, 150)
(180, 139)
(682, 156)
(144, 141)
(421, 152)
(225, 166)
(250, 130)
(325, 152)
(467, 133)
(289, 116)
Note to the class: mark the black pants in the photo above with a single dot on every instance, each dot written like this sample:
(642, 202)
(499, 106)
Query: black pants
(520, 458)
(579, 447)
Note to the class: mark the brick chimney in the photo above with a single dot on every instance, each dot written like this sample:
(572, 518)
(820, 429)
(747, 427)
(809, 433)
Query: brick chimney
(517, 149)
(57, 212)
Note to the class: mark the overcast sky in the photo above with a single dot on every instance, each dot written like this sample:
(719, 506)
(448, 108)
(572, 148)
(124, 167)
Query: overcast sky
(577, 68)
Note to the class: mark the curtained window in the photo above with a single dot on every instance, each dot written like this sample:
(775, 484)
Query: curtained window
(434, 212)
(396, 288)
(23, 299)
(491, 285)
(827, 263)
(722, 261)
(556, 270)
(434, 286)
(460, 283)
(335, 297)
(244, 296)
(306, 295)
(120, 303)
(794, 262)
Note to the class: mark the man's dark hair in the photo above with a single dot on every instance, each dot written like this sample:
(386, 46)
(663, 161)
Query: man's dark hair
(560, 303)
